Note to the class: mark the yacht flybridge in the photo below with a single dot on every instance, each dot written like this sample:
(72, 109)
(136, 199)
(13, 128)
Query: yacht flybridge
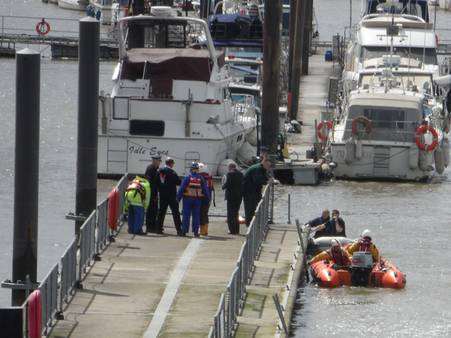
(170, 97)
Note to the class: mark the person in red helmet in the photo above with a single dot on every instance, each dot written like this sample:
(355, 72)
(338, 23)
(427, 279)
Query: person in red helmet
(335, 254)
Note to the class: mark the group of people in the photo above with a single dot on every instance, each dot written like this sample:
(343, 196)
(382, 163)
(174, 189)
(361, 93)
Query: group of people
(325, 225)
(157, 191)
(148, 197)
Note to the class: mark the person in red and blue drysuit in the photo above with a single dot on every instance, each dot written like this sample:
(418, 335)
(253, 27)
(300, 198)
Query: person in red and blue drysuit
(193, 189)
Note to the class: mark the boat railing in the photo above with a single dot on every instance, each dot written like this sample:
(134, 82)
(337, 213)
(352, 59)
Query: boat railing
(232, 300)
(59, 286)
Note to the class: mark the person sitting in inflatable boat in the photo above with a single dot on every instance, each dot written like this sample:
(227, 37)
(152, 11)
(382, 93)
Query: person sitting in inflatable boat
(365, 244)
(335, 254)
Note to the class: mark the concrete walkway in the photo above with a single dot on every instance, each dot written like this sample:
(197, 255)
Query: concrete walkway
(163, 284)
(276, 272)
(313, 95)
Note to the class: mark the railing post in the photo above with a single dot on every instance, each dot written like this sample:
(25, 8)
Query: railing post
(289, 208)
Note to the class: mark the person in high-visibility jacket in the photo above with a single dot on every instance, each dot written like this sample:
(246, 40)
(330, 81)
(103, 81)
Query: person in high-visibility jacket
(335, 254)
(364, 244)
(193, 189)
(135, 200)
(147, 187)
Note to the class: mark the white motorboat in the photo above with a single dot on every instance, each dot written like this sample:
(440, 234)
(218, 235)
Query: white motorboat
(170, 97)
(76, 5)
(394, 126)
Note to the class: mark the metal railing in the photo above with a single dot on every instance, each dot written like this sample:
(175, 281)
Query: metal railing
(60, 284)
(232, 301)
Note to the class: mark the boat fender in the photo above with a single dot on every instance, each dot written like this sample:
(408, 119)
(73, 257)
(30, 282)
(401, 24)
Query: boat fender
(425, 160)
(113, 209)
(413, 157)
(34, 314)
(439, 160)
(349, 151)
(358, 150)
(445, 147)
(328, 125)
(420, 140)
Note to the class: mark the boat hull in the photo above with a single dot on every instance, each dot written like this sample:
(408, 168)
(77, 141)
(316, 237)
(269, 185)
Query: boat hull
(379, 161)
(384, 275)
(71, 5)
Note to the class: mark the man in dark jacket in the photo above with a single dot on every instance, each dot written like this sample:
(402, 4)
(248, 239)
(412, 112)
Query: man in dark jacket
(320, 225)
(253, 181)
(167, 188)
(152, 211)
(233, 187)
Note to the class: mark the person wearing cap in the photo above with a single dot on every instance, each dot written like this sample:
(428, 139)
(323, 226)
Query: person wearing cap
(193, 189)
(152, 211)
(167, 188)
(365, 244)
(254, 179)
(335, 254)
(233, 187)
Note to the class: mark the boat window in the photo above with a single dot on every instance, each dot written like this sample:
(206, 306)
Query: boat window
(147, 127)
(410, 7)
(430, 54)
(386, 117)
(408, 81)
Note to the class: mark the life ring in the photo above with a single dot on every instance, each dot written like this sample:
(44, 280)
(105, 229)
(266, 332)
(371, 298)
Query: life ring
(319, 129)
(34, 314)
(113, 209)
(421, 130)
(365, 121)
(42, 27)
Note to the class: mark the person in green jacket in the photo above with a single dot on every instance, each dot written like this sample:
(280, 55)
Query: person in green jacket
(137, 197)
(254, 179)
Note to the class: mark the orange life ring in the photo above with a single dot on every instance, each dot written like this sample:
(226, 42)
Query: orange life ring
(34, 315)
(42, 27)
(113, 208)
(421, 130)
(365, 121)
(319, 129)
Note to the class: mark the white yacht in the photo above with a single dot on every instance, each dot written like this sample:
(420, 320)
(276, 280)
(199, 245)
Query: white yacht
(393, 27)
(170, 97)
(394, 126)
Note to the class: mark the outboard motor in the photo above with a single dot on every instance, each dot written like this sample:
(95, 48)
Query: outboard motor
(361, 266)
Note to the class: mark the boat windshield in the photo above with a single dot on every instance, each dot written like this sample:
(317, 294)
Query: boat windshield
(162, 33)
(410, 7)
(430, 54)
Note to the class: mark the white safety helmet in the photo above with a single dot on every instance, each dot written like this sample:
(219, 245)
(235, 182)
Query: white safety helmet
(203, 168)
(366, 233)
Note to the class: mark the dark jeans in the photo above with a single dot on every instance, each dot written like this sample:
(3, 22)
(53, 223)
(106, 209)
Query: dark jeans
(250, 204)
(233, 208)
(151, 216)
(173, 204)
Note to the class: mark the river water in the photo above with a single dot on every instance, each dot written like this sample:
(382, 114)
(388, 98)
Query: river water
(409, 221)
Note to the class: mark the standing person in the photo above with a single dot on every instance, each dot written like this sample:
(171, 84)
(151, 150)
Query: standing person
(320, 225)
(233, 187)
(135, 199)
(152, 211)
(337, 225)
(192, 189)
(205, 205)
(167, 187)
(253, 181)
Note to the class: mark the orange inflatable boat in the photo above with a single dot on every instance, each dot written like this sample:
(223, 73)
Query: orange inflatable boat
(383, 274)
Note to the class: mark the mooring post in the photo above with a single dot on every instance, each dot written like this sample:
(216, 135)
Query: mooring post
(26, 170)
(88, 93)
(297, 57)
(307, 17)
(271, 73)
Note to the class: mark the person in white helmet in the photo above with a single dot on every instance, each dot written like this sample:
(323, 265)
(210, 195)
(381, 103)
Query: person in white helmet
(364, 243)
